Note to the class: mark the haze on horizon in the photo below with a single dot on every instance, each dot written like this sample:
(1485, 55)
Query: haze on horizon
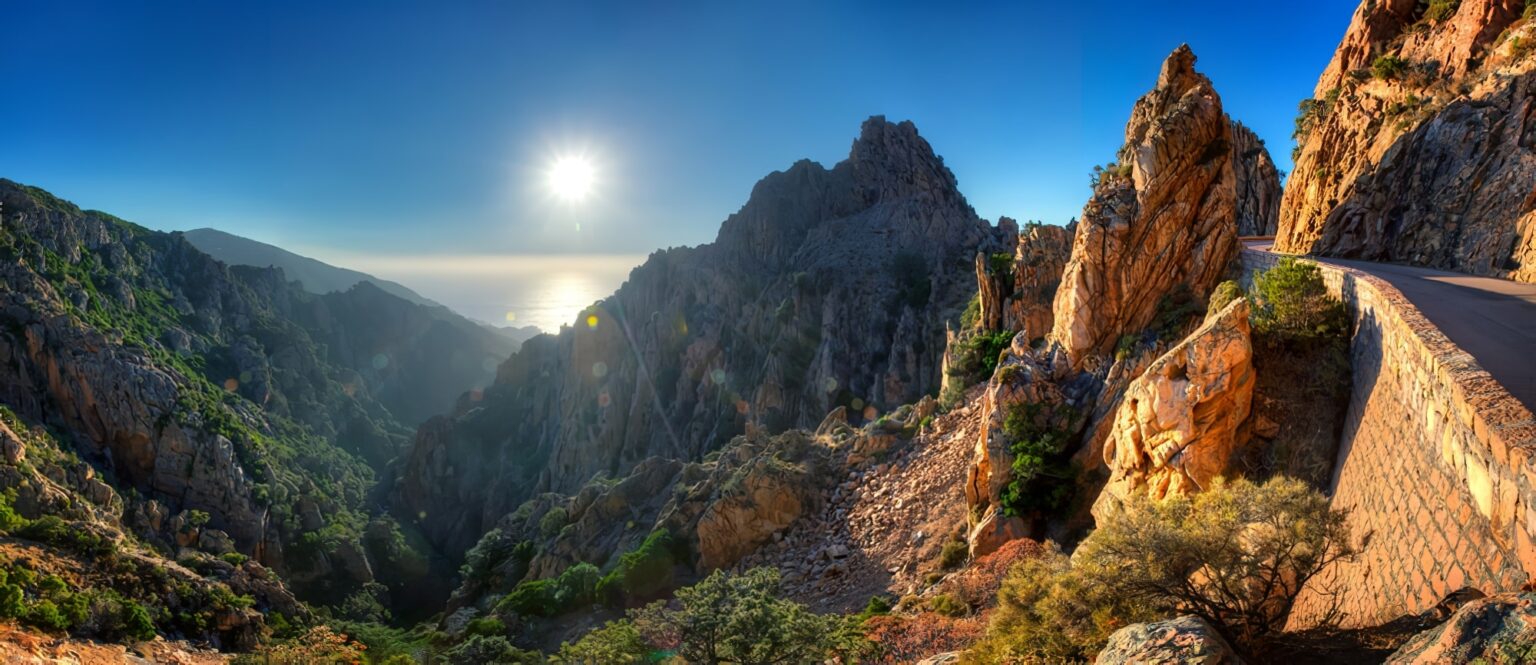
(414, 141)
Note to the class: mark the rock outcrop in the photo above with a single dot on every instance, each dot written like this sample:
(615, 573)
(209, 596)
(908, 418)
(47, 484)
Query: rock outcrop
(1495, 630)
(829, 288)
(1160, 217)
(1419, 145)
(1016, 294)
(1187, 640)
(1178, 424)
(1257, 187)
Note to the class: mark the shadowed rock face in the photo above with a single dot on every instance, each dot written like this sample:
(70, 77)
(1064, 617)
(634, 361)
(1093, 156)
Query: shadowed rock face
(829, 287)
(1257, 186)
(1161, 217)
(1433, 164)
(1496, 629)
(1177, 427)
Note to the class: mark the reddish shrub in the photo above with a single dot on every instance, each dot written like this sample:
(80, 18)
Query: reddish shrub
(977, 585)
(907, 638)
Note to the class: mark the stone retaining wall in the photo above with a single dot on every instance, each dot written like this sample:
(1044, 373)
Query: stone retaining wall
(1435, 465)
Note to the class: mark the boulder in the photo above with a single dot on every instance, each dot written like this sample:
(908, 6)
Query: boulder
(1187, 640)
(1177, 426)
(1494, 631)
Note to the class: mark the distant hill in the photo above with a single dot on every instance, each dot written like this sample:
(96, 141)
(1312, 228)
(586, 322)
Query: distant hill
(316, 276)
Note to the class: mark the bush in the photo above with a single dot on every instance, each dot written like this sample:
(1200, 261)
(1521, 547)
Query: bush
(1223, 295)
(953, 554)
(44, 614)
(1049, 613)
(137, 624)
(972, 313)
(1293, 303)
(947, 605)
(643, 573)
(1388, 67)
(489, 649)
(911, 637)
(978, 584)
(1440, 10)
(617, 642)
(1042, 477)
(553, 521)
(487, 626)
(1254, 547)
(11, 606)
(530, 598)
(975, 357)
(577, 586)
(739, 619)
(10, 521)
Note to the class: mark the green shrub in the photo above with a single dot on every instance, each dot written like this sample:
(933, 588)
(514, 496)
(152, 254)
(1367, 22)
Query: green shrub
(1042, 478)
(577, 586)
(235, 559)
(1253, 546)
(489, 649)
(137, 624)
(616, 642)
(1223, 295)
(1048, 613)
(46, 615)
(1294, 303)
(947, 605)
(642, 573)
(531, 598)
(739, 619)
(877, 605)
(11, 605)
(553, 521)
(1388, 67)
(1440, 10)
(487, 626)
(972, 314)
(975, 356)
(10, 521)
(953, 554)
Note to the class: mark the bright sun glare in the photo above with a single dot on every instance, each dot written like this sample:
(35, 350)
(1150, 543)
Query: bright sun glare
(571, 178)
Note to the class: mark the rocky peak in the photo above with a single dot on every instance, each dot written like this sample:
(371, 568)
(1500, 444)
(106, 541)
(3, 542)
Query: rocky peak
(894, 160)
(1161, 218)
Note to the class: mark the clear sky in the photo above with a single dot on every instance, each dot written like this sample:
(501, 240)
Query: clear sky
(356, 130)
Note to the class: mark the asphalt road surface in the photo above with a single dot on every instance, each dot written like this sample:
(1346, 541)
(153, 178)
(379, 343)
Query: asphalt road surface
(1492, 319)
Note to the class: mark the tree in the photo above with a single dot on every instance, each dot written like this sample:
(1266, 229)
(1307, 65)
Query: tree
(738, 619)
(1237, 554)
(1294, 303)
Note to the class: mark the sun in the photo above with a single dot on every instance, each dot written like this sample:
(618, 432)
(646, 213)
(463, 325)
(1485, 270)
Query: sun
(571, 178)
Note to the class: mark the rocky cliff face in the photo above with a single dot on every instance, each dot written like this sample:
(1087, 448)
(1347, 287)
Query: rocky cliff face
(1178, 423)
(1162, 216)
(1015, 292)
(1419, 145)
(1257, 186)
(828, 288)
(203, 387)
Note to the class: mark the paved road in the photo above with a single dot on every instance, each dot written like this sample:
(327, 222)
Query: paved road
(1492, 319)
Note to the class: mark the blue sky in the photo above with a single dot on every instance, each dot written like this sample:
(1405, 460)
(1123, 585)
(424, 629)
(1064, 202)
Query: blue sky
(352, 130)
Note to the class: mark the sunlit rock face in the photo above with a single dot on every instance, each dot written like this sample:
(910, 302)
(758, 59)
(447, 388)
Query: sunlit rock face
(1161, 217)
(830, 287)
(1178, 425)
(1418, 145)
